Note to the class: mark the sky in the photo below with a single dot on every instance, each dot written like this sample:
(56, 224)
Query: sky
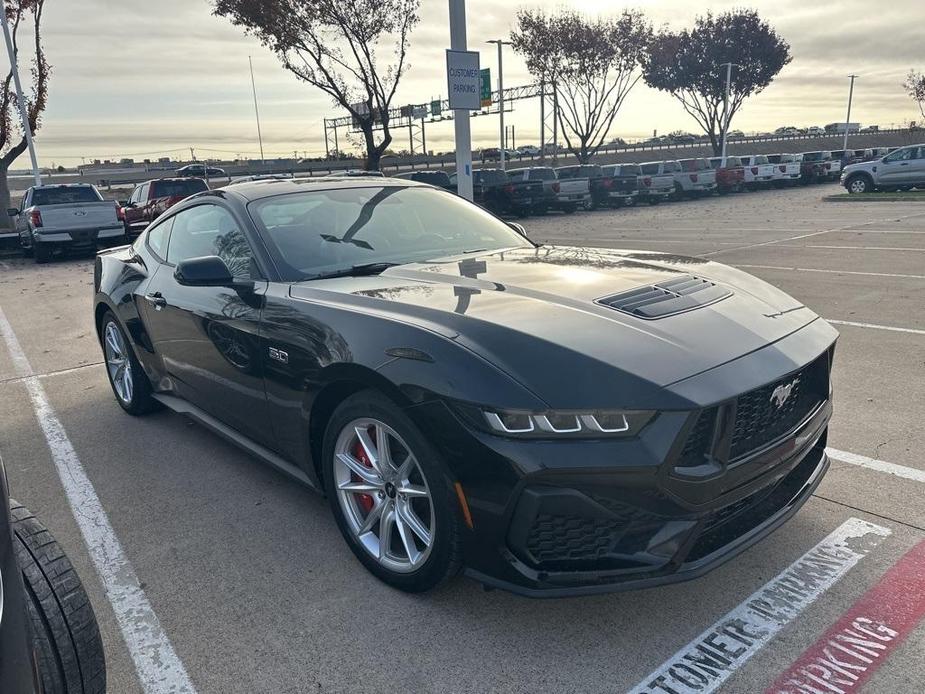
(143, 78)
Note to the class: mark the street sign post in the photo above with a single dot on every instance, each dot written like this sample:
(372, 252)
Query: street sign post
(462, 79)
(485, 91)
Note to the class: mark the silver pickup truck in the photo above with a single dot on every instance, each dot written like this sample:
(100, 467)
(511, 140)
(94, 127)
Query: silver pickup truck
(54, 217)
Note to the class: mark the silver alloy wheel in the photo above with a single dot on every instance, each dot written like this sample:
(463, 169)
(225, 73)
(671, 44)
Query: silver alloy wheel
(118, 363)
(384, 495)
(858, 185)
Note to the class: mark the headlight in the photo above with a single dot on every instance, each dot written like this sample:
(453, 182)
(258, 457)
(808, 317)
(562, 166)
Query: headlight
(558, 424)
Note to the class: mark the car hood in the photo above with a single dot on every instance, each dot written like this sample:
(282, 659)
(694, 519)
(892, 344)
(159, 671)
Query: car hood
(534, 313)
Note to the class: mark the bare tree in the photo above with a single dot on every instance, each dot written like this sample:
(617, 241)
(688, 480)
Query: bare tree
(689, 65)
(591, 63)
(915, 88)
(338, 46)
(21, 13)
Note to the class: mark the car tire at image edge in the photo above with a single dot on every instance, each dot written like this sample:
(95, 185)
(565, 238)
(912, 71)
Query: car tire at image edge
(65, 633)
(442, 558)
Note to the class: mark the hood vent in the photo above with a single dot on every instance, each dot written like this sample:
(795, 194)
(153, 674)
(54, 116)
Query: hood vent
(667, 298)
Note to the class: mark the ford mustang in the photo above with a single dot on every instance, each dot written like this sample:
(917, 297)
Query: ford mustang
(550, 420)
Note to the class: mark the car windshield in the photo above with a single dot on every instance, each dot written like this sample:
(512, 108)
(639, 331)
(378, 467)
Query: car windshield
(649, 169)
(178, 189)
(64, 195)
(672, 167)
(760, 159)
(489, 176)
(813, 156)
(629, 170)
(693, 164)
(542, 175)
(320, 232)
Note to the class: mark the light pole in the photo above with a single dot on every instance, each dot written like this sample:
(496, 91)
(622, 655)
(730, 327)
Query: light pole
(461, 116)
(501, 43)
(725, 123)
(24, 117)
(848, 117)
(257, 111)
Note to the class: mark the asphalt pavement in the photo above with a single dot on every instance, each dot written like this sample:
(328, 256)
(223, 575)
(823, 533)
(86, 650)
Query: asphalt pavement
(257, 592)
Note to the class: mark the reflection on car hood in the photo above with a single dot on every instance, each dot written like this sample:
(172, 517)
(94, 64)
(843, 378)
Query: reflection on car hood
(533, 312)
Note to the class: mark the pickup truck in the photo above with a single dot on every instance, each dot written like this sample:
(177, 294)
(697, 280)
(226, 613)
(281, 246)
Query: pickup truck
(901, 169)
(815, 167)
(152, 198)
(55, 217)
(696, 177)
(566, 195)
(495, 191)
(655, 185)
(786, 168)
(758, 171)
(729, 178)
(625, 188)
(600, 184)
(440, 179)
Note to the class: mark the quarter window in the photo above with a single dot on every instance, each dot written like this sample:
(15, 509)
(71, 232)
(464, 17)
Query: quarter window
(211, 230)
(158, 237)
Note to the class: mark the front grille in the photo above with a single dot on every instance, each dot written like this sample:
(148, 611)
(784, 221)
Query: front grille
(767, 413)
(667, 298)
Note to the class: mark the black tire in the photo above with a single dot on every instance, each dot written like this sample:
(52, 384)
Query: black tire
(27, 251)
(445, 555)
(569, 209)
(654, 200)
(65, 634)
(858, 184)
(41, 253)
(141, 401)
(678, 191)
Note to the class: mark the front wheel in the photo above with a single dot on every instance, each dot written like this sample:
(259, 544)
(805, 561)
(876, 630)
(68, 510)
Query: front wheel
(390, 494)
(858, 184)
(129, 382)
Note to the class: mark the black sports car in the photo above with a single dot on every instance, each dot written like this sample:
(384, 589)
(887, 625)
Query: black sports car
(554, 420)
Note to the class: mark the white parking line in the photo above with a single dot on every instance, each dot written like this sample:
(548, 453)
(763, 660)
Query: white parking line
(707, 661)
(908, 473)
(854, 248)
(914, 331)
(158, 665)
(832, 272)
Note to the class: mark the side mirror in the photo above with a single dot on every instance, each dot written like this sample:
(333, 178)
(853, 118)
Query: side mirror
(12, 211)
(208, 271)
(518, 228)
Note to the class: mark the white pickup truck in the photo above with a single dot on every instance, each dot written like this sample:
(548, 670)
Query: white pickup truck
(655, 183)
(75, 215)
(787, 168)
(758, 170)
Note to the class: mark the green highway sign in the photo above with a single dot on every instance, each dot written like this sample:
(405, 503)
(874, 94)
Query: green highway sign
(486, 87)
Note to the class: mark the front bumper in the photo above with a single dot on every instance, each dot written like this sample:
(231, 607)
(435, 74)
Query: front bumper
(576, 517)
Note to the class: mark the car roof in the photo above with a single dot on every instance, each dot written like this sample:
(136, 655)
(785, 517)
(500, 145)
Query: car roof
(63, 185)
(256, 190)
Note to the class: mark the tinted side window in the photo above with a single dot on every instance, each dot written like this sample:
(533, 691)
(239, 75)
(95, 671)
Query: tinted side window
(158, 237)
(649, 169)
(210, 230)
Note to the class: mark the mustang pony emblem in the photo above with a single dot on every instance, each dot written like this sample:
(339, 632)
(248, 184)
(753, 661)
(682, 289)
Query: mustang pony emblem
(782, 393)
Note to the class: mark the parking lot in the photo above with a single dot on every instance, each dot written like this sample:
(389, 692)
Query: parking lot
(257, 592)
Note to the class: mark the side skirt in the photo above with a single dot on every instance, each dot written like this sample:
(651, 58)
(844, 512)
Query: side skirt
(262, 453)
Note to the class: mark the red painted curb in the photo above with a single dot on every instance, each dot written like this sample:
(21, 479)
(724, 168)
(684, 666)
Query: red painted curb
(854, 647)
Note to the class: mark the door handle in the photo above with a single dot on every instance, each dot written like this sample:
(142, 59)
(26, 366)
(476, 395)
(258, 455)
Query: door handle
(157, 299)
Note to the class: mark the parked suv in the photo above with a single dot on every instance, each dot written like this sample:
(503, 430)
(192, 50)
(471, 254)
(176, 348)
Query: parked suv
(440, 179)
(900, 170)
(152, 198)
(54, 217)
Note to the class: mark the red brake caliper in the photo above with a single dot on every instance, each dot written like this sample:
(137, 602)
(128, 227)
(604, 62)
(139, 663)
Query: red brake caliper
(365, 501)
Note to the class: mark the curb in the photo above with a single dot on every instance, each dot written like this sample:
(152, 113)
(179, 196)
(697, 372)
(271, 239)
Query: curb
(874, 197)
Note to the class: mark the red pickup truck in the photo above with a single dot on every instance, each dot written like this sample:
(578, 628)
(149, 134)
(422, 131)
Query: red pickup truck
(729, 178)
(151, 198)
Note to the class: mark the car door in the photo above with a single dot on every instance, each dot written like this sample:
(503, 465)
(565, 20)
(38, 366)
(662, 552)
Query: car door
(208, 337)
(915, 172)
(895, 167)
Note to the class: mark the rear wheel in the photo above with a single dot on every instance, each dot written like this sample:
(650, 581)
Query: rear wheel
(129, 382)
(65, 634)
(569, 209)
(41, 252)
(390, 494)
